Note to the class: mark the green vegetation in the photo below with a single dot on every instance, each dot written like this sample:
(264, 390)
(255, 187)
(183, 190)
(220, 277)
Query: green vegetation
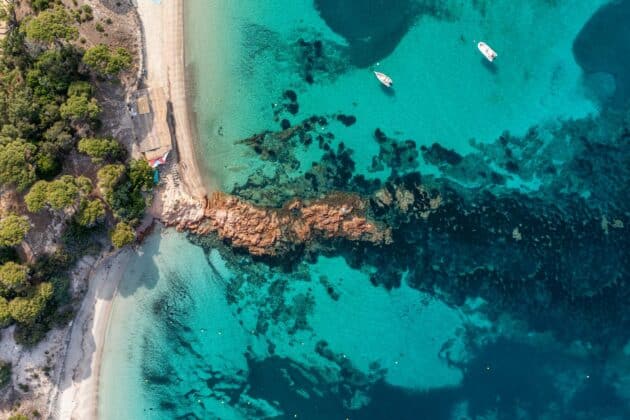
(59, 194)
(26, 310)
(101, 149)
(122, 235)
(49, 116)
(6, 11)
(18, 417)
(91, 212)
(39, 5)
(62, 192)
(80, 109)
(83, 14)
(13, 277)
(5, 316)
(13, 228)
(5, 372)
(141, 175)
(107, 62)
(16, 164)
(52, 25)
(80, 88)
(108, 176)
(124, 188)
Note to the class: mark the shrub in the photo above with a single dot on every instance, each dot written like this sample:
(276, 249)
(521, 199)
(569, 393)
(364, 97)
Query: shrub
(16, 164)
(13, 228)
(141, 175)
(58, 194)
(100, 149)
(108, 176)
(5, 373)
(80, 88)
(30, 335)
(5, 315)
(122, 235)
(13, 277)
(81, 240)
(51, 25)
(107, 62)
(39, 5)
(80, 108)
(26, 310)
(90, 213)
(51, 265)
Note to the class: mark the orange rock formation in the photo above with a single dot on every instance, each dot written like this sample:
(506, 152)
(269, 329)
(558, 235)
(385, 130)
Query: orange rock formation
(275, 232)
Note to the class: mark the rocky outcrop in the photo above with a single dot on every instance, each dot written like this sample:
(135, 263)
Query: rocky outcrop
(276, 232)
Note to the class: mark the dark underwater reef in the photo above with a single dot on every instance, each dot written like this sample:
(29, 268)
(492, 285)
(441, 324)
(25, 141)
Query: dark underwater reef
(552, 258)
(520, 377)
(373, 28)
(602, 46)
(556, 256)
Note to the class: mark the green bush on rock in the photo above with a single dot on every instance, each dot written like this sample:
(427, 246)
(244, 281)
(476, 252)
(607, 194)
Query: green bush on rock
(16, 164)
(13, 228)
(59, 194)
(101, 149)
(122, 235)
(26, 310)
(91, 212)
(5, 315)
(51, 26)
(80, 109)
(5, 373)
(13, 277)
(105, 61)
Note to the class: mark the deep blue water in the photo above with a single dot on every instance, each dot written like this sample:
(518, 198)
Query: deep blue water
(508, 299)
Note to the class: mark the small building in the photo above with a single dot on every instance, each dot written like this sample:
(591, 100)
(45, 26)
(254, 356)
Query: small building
(150, 113)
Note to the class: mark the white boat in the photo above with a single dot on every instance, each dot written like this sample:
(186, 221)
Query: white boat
(487, 52)
(384, 79)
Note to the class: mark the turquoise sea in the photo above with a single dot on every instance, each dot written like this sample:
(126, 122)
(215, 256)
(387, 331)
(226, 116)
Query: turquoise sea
(510, 301)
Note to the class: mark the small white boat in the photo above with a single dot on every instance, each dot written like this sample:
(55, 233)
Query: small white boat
(487, 52)
(384, 79)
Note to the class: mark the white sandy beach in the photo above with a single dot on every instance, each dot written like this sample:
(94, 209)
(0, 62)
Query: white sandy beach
(78, 382)
(163, 27)
(164, 50)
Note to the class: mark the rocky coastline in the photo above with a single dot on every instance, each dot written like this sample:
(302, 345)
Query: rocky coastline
(277, 232)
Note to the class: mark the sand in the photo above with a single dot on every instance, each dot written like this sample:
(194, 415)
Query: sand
(164, 66)
(163, 30)
(78, 380)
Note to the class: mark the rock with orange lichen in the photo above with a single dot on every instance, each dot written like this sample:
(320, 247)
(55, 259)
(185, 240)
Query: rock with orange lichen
(276, 232)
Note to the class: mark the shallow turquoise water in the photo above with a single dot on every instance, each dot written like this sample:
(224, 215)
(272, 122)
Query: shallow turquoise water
(435, 326)
(444, 91)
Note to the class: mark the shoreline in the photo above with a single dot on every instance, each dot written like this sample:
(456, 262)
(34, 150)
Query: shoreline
(163, 58)
(164, 54)
(77, 392)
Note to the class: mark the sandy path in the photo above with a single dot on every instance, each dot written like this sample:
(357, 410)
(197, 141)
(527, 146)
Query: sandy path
(78, 383)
